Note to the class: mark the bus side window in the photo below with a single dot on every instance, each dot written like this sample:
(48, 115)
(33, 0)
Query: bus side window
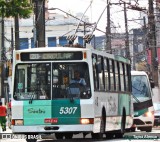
(121, 77)
(117, 78)
(101, 73)
(112, 81)
(106, 74)
(128, 77)
(95, 80)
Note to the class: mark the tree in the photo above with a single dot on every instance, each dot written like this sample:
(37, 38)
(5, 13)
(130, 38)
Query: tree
(17, 9)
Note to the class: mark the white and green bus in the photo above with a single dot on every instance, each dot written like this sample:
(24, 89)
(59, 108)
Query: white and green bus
(45, 102)
(142, 101)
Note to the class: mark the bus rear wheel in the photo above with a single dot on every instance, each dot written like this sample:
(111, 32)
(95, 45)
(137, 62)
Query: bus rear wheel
(31, 140)
(120, 133)
(68, 135)
(59, 135)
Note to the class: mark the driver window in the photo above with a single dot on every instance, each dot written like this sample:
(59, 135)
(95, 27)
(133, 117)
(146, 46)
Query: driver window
(70, 80)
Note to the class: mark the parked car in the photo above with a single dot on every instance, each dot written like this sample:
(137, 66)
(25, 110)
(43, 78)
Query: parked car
(156, 114)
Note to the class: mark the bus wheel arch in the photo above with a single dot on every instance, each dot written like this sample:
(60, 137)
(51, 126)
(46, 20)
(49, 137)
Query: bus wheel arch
(103, 120)
(120, 133)
(123, 121)
(102, 126)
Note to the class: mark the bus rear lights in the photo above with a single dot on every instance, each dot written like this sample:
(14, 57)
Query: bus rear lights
(17, 122)
(149, 114)
(86, 120)
(13, 122)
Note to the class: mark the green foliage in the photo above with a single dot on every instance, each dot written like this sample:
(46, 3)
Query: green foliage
(12, 8)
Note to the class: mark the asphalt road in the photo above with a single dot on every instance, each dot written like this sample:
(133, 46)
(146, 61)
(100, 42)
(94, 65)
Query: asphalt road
(137, 136)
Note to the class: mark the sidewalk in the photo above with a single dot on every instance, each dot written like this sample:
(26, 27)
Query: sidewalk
(8, 130)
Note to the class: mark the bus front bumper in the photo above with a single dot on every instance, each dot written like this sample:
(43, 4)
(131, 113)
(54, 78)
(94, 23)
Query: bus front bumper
(142, 123)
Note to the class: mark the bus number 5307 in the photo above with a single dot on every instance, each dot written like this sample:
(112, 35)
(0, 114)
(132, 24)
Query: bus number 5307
(67, 110)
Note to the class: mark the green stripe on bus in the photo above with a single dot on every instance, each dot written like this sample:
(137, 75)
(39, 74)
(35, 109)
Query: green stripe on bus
(124, 101)
(66, 111)
(140, 112)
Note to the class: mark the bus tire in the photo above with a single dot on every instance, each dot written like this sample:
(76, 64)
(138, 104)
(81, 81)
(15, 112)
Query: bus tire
(123, 123)
(68, 135)
(102, 130)
(109, 135)
(133, 129)
(59, 135)
(148, 129)
(31, 140)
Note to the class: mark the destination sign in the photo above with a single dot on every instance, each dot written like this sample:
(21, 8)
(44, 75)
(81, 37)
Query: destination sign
(51, 56)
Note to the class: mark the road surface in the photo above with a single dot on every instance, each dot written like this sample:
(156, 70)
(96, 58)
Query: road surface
(137, 136)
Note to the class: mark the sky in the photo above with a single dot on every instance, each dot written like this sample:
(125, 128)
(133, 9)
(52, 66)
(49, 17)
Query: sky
(96, 9)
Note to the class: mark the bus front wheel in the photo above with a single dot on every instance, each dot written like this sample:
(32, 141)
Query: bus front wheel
(149, 129)
(102, 130)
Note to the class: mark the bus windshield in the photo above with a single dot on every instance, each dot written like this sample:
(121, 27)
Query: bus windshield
(140, 88)
(39, 81)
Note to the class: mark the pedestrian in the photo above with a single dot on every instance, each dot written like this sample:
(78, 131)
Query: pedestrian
(3, 113)
(9, 105)
(9, 114)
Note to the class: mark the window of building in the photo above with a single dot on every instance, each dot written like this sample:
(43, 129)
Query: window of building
(80, 40)
(63, 41)
(24, 43)
(52, 42)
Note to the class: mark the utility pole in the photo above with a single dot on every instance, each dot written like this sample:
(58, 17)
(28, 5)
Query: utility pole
(12, 43)
(145, 41)
(108, 29)
(127, 36)
(16, 22)
(40, 22)
(152, 43)
(2, 55)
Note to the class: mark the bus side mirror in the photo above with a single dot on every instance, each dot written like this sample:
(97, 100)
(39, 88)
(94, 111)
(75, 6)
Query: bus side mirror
(98, 67)
(152, 83)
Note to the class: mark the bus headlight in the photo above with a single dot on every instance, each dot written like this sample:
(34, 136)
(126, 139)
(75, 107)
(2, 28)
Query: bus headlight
(148, 114)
